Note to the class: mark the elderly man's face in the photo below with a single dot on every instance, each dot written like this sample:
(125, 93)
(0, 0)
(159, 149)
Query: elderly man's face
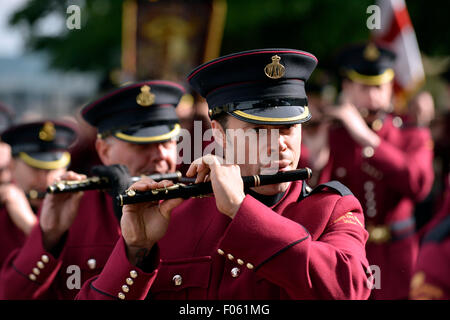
(5, 158)
(29, 178)
(139, 158)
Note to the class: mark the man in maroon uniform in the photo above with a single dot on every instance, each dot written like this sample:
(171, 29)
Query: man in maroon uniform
(270, 242)
(39, 156)
(384, 161)
(6, 119)
(137, 126)
(431, 280)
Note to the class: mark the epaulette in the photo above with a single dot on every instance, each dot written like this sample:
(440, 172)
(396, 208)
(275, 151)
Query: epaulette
(439, 232)
(334, 185)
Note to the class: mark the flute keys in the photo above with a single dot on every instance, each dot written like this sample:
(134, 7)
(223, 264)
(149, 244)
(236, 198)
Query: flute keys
(33, 194)
(131, 193)
(166, 189)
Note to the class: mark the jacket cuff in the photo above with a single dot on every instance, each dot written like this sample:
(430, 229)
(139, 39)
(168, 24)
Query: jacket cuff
(122, 280)
(256, 226)
(33, 261)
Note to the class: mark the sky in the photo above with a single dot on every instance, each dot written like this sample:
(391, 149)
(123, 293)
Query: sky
(12, 39)
(11, 42)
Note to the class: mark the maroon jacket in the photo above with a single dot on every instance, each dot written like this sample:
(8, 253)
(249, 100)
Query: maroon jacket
(431, 278)
(11, 237)
(33, 273)
(387, 183)
(312, 249)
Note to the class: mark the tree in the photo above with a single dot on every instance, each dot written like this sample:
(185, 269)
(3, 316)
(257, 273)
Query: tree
(319, 26)
(94, 47)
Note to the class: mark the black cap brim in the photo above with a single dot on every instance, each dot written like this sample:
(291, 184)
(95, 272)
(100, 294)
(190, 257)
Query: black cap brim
(134, 105)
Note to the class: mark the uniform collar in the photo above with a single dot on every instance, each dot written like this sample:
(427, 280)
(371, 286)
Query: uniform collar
(269, 201)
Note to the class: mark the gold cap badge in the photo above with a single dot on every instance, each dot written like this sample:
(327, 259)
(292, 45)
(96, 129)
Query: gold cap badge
(145, 98)
(47, 132)
(371, 52)
(275, 69)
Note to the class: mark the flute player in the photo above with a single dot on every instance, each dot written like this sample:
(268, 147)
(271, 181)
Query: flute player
(137, 127)
(40, 154)
(277, 241)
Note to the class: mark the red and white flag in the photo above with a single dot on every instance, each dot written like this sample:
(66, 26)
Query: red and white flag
(397, 34)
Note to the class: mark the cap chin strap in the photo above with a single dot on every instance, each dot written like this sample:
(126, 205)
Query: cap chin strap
(268, 103)
(46, 165)
(300, 117)
(174, 132)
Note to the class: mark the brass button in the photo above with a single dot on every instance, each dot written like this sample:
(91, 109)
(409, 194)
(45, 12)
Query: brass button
(371, 212)
(369, 185)
(45, 258)
(92, 263)
(371, 203)
(369, 195)
(377, 125)
(341, 172)
(397, 122)
(368, 152)
(32, 277)
(220, 251)
(36, 271)
(121, 295)
(230, 256)
(40, 265)
(177, 280)
(125, 288)
(378, 234)
(250, 266)
(133, 274)
(239, 261)
(129, 281)
(235, 272)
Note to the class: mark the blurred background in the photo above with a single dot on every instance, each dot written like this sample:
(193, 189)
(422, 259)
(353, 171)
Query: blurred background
(48, 69)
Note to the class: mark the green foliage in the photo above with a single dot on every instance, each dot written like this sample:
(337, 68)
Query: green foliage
(95, 47)
(430, 21)
(321, 27)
